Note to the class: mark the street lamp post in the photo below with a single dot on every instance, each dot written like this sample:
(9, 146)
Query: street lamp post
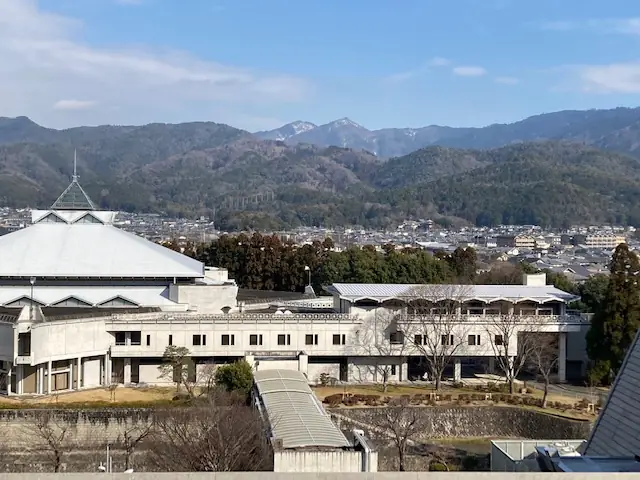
(308, 270)
(32, 281)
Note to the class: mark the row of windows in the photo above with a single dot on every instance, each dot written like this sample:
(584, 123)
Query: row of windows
(449, 340)
(226, 339)
(229, 339)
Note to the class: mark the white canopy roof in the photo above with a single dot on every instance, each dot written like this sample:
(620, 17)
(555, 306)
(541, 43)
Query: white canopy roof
(89, 250)
(484, 293)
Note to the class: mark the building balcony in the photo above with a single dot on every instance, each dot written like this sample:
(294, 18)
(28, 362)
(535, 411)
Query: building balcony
(24, 360)
(569, 319)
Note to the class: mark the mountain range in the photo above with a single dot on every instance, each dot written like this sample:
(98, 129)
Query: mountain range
(616, 129)
(554, 170)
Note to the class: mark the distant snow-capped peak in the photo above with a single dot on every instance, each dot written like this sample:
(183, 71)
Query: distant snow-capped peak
(301, 126)
(345, 122)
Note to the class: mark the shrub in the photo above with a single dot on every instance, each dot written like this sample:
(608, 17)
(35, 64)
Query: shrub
(530, 390)
(333, 400)
(492, 387)
(235, 377)
(437, 467)
(325, 378)
(445, 398)
(457, 385)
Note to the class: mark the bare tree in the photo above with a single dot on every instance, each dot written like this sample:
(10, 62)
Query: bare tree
(178, 366)
(543, 356)
(511, 338)
(132, 435)
(434, 326)
(49, 433)
(379, 340)
(220, 434)
(401, 422)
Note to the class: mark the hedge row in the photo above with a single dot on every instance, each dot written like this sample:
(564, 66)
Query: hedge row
(352, 400)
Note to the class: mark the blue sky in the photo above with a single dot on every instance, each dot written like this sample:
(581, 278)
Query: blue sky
(259, 63)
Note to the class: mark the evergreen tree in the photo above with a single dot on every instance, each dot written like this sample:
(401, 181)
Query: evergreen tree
(617, 318)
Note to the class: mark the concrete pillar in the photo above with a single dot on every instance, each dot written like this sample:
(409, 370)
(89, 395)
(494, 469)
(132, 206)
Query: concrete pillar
(303, 363)
(403, 374)
(9, 375)
(19, 375)
(251, 361)
(79, 384)
(41, 369)
(127, 338)
(562, 357)
(49, 375)
(457, 370)
(127, 371)
(107, 370)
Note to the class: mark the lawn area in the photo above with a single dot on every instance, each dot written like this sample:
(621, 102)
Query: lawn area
(123, 396)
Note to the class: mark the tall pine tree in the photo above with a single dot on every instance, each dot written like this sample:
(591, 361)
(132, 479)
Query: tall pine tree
(617, 318)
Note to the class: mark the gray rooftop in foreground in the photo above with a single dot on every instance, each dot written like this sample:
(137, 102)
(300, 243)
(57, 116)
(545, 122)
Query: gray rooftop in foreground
(295, 414)
(617, 430)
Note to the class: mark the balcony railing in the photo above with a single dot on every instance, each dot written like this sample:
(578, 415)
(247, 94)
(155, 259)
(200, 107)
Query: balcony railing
(235, 318)
(524, 319)
(24, 359)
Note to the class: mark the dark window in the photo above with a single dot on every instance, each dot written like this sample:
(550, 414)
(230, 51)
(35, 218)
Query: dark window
(474, 339)
(393, 369)
(336, 339)
(498, 340)
(308, 339)
(228, 339)
(170, 339)
(136, 338)
(447, 340)
(255, 339)
(148, 340)
(417, 339)
(204, 339)
(197, 340)
(396, 338)
(120, 338)
(282, 339)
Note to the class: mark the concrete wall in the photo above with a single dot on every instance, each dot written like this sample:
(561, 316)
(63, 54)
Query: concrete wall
(88, 427)
(69, 339)
(505, 422)
(91, 374)
(318, 476)
(303, 461)
(208, 298)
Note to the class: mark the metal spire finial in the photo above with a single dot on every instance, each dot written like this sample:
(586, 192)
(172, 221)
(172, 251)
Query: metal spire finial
(75, 166)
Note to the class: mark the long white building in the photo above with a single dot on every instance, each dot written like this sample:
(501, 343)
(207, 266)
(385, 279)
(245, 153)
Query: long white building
(84, 304)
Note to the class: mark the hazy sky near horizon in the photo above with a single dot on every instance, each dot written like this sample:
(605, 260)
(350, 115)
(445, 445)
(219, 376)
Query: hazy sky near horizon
(257, 64)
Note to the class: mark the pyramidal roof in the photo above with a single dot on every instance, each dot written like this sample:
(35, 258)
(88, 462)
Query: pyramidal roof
(74, 197)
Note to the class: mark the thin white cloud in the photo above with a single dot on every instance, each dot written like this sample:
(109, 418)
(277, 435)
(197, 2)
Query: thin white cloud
(399, 77)
(469, 71)
(439, 62)
(624, 26)
(507, 80)
(73, 104)
(44, 60)
(612, 78)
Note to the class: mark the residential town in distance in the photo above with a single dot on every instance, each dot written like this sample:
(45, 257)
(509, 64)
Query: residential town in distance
(577, 252)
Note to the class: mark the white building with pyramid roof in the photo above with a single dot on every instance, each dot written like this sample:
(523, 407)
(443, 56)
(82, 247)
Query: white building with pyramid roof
(71, 269)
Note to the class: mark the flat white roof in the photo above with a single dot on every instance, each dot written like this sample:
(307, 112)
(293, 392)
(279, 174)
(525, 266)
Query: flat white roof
(485, 293)
(90, 251)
